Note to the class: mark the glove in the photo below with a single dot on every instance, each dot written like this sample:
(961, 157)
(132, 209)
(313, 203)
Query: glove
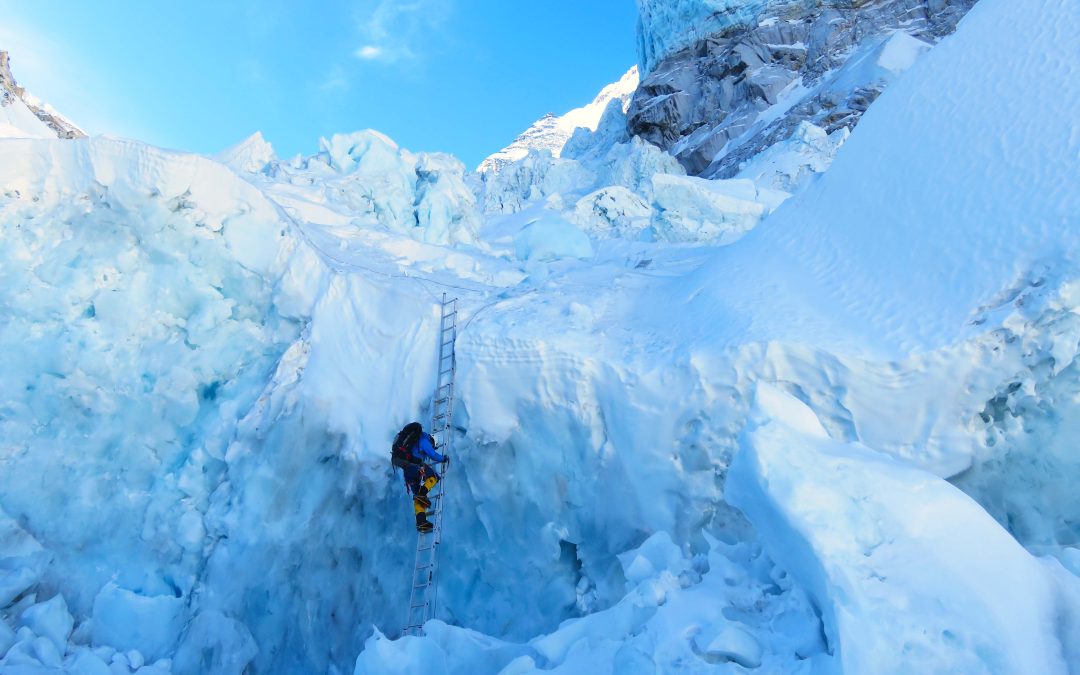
(446, 460)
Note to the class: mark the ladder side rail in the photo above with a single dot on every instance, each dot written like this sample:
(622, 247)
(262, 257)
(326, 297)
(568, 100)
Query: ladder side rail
(446, 436)
(424, 580)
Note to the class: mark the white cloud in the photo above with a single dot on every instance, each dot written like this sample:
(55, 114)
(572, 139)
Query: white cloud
(399, 30)
(369, 52)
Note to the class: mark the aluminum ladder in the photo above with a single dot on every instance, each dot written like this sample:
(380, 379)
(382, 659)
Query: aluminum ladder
(425, 576)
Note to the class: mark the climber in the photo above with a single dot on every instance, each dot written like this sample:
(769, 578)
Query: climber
(411, 447)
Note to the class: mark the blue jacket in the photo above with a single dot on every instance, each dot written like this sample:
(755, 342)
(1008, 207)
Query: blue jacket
(425, 449)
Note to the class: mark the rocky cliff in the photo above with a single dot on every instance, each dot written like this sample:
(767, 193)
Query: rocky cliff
(715, 101)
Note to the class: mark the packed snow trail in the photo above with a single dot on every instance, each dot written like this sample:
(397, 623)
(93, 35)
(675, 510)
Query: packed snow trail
(423, 597)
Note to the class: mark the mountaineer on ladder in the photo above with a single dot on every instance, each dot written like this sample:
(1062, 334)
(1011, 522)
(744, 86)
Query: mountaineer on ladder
(411, 448)
(435, 446)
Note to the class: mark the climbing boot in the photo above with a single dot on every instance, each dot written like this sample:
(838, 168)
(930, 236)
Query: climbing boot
(422, 524)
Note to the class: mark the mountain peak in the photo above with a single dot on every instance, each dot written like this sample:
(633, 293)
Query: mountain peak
(551, 132)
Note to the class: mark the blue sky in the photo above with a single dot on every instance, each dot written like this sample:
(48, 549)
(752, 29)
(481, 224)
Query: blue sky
(460, 76)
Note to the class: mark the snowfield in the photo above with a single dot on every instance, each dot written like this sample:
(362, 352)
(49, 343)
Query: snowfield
(817, 418)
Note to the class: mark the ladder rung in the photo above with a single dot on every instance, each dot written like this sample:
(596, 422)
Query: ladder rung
(443, 404)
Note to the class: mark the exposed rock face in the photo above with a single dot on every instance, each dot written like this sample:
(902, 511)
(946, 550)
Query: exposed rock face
(10, 91)
(723, 99)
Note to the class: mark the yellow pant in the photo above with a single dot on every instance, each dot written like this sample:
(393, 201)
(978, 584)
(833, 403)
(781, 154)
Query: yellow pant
(428, 483)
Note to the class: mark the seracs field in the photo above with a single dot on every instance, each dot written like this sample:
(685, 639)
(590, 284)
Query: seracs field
(798, 393)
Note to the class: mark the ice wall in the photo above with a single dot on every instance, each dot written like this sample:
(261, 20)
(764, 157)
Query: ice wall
(140, 322)
(665, 27)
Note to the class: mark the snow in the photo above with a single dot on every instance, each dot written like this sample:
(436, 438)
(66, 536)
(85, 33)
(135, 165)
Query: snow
(878, 64)
(700, 426)
(860, 529)
(791, 164)
(718, 212)
(18, 121)
(7, 637)
(899, 52)
(22, 560)
(684, 614)
(364, 179)
(1000, 177)
(216, 644)
(559, 184)
(129, 620)
(612, 211)
(735, 644)
(50, 620)
(547, 239)
(250, 155)
(552, 133)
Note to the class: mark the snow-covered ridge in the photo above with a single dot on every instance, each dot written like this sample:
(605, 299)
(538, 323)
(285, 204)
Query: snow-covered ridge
(551, 132)
(22, 114)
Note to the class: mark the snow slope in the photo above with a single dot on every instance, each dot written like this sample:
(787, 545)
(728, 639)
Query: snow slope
(974, 210)
(665, 450)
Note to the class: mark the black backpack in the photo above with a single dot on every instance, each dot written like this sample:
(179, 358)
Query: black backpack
(401, 452)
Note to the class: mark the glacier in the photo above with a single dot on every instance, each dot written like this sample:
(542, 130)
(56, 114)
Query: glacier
(817, 417)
